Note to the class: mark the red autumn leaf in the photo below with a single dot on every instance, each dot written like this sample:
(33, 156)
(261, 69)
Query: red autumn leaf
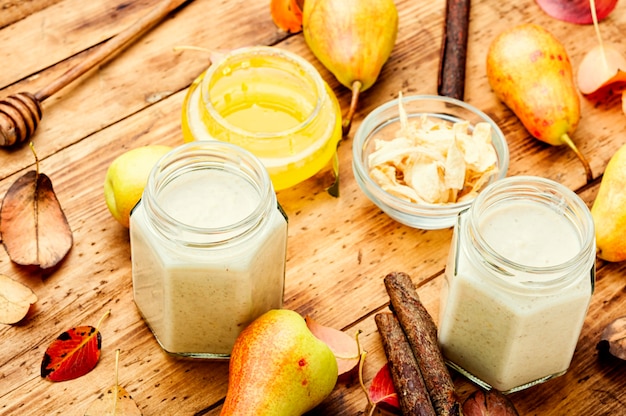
(382, 391)
(287, 14)
(576, 11)
(73, 354)
(344, 347)
(32, 224)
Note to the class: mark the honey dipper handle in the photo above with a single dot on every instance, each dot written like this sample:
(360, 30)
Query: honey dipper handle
(114, 45)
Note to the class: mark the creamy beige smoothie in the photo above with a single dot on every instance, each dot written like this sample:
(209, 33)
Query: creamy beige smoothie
(197, 300)
(507, 338)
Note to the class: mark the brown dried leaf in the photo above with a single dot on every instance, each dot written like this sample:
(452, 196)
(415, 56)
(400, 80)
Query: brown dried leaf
(15, 300)
(613, 338)
(488, 403)
(33, 226)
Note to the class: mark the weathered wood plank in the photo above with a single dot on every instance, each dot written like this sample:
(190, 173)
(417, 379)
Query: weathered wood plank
(339, 248)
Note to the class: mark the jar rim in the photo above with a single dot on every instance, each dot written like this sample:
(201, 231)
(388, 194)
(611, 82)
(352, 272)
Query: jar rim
(539, 190)
(212, 155)
(273, 52)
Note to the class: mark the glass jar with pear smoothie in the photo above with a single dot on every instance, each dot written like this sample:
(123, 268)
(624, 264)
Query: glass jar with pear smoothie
(208, 246)
(271, 102)
(518, 283)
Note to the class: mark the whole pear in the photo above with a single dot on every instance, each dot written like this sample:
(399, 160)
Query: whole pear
(353, 39)
(278, 367)
(609, 210)
(529, 70)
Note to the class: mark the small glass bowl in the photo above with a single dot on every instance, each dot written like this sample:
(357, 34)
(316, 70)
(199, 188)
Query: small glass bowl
(384, 123)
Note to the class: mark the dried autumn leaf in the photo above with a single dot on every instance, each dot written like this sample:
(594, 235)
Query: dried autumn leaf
(32, 224)
(613, 338)
(602, 72)
(15, 300)
(116, 401)
(345, 348)
(73, 354)
(488, 403)
(381, 391)
(287, 14)
(576, 11)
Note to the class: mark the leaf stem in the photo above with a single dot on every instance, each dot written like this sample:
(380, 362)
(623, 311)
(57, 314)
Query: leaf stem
(32, 149)
(596, 26)
(102, 319)
(117, 362)
(362, 354)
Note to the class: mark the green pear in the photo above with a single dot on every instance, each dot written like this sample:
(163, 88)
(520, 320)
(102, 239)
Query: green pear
(278, 368)
(609, 210)
(529, 70)
(353, 39)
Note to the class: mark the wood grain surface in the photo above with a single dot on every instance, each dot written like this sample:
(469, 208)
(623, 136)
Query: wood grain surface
(339, 249)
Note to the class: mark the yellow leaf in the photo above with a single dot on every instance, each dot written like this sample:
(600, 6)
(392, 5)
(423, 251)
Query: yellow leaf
(15, 300)
(115, 401)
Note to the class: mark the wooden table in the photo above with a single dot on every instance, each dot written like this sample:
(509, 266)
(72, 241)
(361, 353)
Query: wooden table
(339, 248)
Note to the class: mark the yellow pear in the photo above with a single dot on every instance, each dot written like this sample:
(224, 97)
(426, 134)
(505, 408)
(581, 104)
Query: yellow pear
(126, 178)
(529, 70)
(609, 210)
(353, 39)
(278, 368)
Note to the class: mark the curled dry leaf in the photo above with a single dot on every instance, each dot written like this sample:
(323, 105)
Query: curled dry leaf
(613, 338)
(73, 354)
(15, 300)
(115, 401)
(287, 14)
(601, 72)
(345, 348)
(576, 11)
(488, 403)
(33, 226)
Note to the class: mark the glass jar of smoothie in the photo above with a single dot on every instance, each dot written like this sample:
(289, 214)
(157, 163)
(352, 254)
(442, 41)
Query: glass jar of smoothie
(208, 245)
(271, 102)
(518, 283)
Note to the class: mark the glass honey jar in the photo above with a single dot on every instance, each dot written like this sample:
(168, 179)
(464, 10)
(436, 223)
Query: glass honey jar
(271, 102)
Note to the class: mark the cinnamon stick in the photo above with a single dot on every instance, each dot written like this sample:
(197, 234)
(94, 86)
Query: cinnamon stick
(421, 333)
(451, 81)
(405, 373)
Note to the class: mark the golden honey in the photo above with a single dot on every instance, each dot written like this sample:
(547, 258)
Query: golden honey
(272, 103)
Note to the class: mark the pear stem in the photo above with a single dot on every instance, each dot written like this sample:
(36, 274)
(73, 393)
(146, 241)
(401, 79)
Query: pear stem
(568, 141)
(347, 121)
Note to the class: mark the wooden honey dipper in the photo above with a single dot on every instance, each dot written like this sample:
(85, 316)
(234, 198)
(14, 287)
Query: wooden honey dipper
(20, 113)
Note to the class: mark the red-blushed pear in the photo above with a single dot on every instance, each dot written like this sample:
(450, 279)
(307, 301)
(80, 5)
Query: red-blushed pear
(529, 71)
(609, 210)
(278, 367)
